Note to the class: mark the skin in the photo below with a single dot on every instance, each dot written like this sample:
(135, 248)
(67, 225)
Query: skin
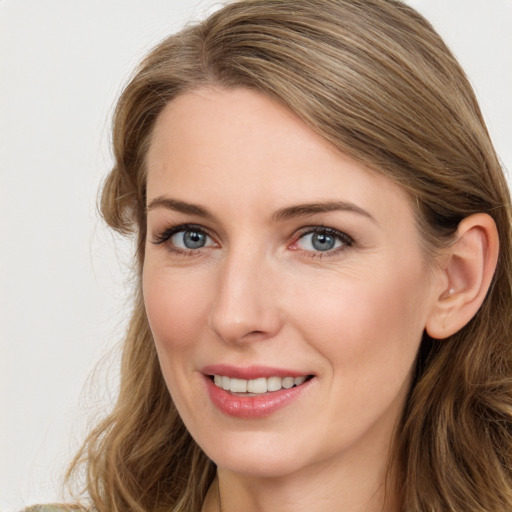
(259, 293)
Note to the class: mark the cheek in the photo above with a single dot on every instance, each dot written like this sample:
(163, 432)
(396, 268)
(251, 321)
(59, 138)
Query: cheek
(368, 332)
(364, 321)
(177, 311)
(176, 306)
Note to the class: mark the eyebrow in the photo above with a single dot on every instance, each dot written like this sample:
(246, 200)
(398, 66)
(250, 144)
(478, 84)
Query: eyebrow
(178, 206)
(300, 210)
(305, 210)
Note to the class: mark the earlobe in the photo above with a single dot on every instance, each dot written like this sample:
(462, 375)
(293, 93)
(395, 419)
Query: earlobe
(468, 269)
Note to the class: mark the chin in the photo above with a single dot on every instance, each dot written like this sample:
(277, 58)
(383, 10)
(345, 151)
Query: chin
(258, 467)
(259, 456)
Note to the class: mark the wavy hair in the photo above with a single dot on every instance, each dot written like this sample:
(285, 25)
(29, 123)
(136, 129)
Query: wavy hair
(375, 80)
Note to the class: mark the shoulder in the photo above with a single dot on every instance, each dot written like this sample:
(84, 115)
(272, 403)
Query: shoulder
(54, 508)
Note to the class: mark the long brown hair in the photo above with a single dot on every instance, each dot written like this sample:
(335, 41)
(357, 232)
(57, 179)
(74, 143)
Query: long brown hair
(374, 79)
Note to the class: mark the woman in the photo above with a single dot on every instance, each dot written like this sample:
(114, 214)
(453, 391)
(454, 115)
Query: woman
(323, 248)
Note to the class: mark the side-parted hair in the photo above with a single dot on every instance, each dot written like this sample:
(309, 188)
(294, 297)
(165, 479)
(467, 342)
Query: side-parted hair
(375, 80)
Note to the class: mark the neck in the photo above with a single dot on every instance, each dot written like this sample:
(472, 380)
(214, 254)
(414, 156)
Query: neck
(354, 478)
(310, 489)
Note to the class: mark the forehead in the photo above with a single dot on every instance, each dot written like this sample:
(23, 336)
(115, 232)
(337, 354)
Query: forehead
(241, 148)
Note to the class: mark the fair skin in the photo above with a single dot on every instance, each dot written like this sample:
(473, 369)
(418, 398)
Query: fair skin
(269, 252)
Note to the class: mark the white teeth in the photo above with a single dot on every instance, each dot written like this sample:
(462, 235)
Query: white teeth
(256, 386)
(274, 383)
(238, 386)
(299, 380)
(288, 382)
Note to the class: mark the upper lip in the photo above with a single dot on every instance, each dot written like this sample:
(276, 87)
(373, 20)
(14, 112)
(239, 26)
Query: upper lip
(250, 372)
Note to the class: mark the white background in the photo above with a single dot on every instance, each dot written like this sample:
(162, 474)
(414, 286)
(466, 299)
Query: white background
(63, 277)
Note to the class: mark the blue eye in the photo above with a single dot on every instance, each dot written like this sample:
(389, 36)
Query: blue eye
(190, 239)
(185, 238)
(323, 240)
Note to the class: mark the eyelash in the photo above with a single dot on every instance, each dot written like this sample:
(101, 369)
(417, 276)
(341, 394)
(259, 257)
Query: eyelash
(166, 235)
(345, 240)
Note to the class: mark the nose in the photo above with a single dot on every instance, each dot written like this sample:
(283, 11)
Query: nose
(246, 307)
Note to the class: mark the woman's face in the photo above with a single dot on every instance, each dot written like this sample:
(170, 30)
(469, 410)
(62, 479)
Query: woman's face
(274, 261)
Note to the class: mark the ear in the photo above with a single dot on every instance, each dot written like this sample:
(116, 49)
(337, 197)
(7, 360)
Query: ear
(467, 269)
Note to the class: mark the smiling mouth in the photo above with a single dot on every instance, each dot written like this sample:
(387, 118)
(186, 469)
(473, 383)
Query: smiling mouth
(256, 387)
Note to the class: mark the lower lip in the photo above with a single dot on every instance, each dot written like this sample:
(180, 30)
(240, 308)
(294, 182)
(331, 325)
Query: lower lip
(258, 406)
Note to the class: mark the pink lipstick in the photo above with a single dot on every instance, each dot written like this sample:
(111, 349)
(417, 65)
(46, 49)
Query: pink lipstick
(253, 392)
